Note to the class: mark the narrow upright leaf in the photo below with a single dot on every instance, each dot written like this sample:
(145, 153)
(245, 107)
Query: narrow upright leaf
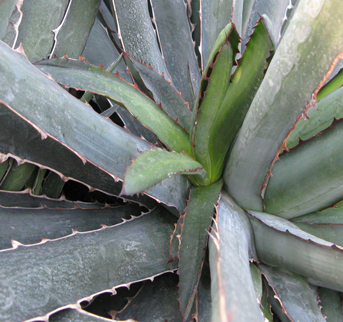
(195, 223)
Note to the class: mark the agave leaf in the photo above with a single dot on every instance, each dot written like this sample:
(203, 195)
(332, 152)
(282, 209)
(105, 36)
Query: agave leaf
(79, 74)
(17, 177)
(265, 305)
(194, 226)
(99, 48)
(53, 185)
(6, 9)
(214, 83)
(137, 33)
(40, 17)
(31, 147)
(317, 168)
(76, 314)
(174, 34)
(331, 302)
(230, 250)
(77, 266)
(274, 12)
(328, 109)
(164, 93)
(4, 167)
(29, 226)
(203, 298)
(297, 251)
(257, 281)
(286, 286)
(238, 97)
(327, 224)
(116, 143)
(309, 34)
(214, 15)
(159, 294)
(152, 166)
(334, 83)
(37, 188)
(25, 199)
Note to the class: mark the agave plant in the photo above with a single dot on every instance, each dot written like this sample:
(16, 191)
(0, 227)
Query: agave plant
(205, 137)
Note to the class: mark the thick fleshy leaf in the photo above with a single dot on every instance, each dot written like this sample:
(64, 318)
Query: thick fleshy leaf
(6, 9)
(317, 168)
(334, 83)
(164, 93)
(152, 166)
(311, 38)
(287, 287)
(215, 15)
(327, 224)
(275, 12)
(331, 301)
(328, 109)
(137, 33)
(195, 223)
(297, 251)
(40, 278)
(62, 121)
(174, 34)
(161, 296)
(75, 315)
(17, 177)
(214, 83)
(238, 97)
(60, 27)
(233, 293)
(79, 74)
(30, 226)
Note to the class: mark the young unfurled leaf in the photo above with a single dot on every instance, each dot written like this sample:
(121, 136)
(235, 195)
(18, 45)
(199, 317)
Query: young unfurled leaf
(152, 166)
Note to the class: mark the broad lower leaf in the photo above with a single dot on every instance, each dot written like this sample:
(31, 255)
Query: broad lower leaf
(64, 123)
(60, 27)
(231, 247)
(195, 223)
(40, 278)
(30, 226)
(79, 74)
(287, 286)
(152, 166)
(312, 38)
(297, 251)
(317, 168)
(161, 296)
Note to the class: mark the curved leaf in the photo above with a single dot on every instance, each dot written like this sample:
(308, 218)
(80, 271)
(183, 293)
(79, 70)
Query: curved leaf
(79, 74)
(297, 251)
(316, 167)
(312, 38)
(40, 278)
(152, 166)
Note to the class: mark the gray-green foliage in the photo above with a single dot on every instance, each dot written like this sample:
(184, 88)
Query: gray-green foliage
(196, 118)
